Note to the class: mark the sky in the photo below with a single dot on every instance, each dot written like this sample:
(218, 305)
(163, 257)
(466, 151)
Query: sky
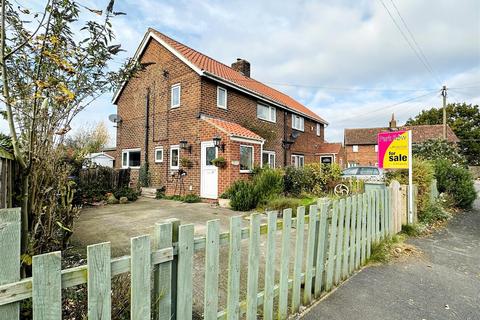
(346, 60)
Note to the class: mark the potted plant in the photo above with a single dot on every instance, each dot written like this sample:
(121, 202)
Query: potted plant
(219, 162)
(186, 163)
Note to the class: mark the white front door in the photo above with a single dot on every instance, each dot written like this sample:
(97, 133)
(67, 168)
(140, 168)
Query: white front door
(209, 172)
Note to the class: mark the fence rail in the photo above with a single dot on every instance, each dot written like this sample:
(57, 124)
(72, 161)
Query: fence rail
(332, 241)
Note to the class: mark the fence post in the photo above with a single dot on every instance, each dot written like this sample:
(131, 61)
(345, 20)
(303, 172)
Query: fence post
(10, 256)
(310, 254)
(234, 256)
(297, 267)
(285, 263)
(184, 272)
(270, 266)
(253, 267)
(47, 286)
(339, 251)
(162, 283)
(173, 287)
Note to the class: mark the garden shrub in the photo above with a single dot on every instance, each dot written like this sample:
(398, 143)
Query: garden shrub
(191, 198)
(129, 193)
(423, 174)
(268, 183)
(314, 178)
(439, 149)
(433, 213)
(242, 196)
(456, 181)
(281, 203)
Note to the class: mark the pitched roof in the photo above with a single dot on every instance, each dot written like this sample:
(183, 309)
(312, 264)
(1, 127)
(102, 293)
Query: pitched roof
(211, 67)
(330, 148)
(422, 133)
(232, 129)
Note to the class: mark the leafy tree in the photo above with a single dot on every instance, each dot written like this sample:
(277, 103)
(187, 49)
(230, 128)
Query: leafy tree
(53, 65)
(439, 149)
(464, 119)
(87, 140)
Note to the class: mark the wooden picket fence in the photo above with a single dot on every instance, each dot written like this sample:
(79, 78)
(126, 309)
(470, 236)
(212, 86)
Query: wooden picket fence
(331, 242)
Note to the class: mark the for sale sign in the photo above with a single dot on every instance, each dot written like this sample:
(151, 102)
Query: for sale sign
(393, 150)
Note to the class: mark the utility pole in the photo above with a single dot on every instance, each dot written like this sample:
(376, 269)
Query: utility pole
(444, 95)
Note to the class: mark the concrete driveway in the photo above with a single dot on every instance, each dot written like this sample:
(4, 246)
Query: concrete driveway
(118, 223)
(443, 284)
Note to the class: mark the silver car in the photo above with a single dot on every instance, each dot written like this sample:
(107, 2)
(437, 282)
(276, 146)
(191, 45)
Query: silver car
(364, 173)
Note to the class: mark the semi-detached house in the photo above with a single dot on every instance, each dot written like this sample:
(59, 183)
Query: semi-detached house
(187, 109)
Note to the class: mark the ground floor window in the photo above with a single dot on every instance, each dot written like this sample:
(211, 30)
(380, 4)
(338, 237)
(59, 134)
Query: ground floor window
(131, 158)
(159, 154)
(246, 158)
(326, 159)
(174, 157)
(268, 159)
(298, 161)
(352, 164)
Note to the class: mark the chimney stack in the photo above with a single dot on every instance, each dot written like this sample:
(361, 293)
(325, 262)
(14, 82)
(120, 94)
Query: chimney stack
(242, 66)
(393, 123)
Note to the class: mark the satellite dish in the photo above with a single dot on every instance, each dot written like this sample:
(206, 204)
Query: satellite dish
(115, 118)
(295, 135)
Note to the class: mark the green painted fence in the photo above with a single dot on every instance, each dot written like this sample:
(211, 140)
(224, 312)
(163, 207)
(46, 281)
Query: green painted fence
(314, 248)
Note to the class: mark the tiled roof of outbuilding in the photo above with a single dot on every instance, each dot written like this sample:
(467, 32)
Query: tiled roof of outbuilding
(232, 129)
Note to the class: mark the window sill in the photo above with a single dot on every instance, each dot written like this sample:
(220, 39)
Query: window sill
(266, 120)
(245, 171)
(158, 161)
(133, 168)
(221, 107)
(300, 130)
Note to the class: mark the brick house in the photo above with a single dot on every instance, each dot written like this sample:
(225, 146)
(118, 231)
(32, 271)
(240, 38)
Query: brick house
(361, 144)
(187, 109)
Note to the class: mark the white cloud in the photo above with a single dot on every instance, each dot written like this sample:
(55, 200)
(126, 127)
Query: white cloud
(321, 47)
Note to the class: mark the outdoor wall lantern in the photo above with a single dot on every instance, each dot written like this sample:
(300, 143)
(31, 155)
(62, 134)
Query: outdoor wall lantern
(218, 144)
(185, 146)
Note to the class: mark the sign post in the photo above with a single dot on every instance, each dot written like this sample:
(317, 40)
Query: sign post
(395, 152)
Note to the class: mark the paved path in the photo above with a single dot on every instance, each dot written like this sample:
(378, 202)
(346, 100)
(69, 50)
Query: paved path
(443, 284)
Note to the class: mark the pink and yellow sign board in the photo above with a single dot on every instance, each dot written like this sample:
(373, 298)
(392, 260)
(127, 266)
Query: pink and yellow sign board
(393, 150)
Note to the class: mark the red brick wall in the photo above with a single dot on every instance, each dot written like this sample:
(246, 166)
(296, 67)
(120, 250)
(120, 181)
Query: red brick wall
(366, 155)
(168, 126)
(242, 109)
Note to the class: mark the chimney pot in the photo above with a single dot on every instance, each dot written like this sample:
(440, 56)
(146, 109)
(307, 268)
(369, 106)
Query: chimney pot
(242, 66)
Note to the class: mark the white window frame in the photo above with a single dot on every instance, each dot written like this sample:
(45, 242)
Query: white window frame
(253, 157)
(157, 160)
(218, 97)
(174, 147)
(301, 121)
(319, 130)
(295, 158)
(355, 148)
(376, 148)
(269, 154)
(272, 113)
(127, 152)
(327, 156)
(175, 86)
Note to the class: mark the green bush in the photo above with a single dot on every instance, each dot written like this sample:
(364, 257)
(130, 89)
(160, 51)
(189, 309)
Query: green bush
(439, 149)
(433, 213)
(242, 196)
(281, 203)
(456, 181)
(314, 179)
(423, 174)
(131, 194)
(160, 192)
(191, 198)
(268, 183)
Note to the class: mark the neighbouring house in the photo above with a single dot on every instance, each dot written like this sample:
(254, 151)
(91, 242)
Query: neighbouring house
(101, 158)
(332, 153)
(361, 144)
(186, 110)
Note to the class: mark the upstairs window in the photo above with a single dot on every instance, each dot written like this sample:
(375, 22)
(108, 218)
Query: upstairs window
(297, 122)
(376, 148)
(221, 97)
(355, 148)
(131, 158)
(175, 96)
(319, 129)
(266, 113)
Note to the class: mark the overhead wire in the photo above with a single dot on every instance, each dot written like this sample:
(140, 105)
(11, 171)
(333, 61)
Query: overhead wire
(410, 43)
